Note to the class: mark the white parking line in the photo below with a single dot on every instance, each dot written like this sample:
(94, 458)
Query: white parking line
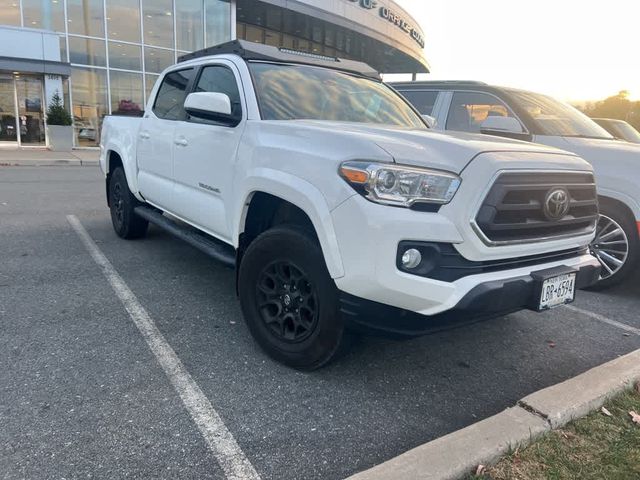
(219, 439)
(602, 318)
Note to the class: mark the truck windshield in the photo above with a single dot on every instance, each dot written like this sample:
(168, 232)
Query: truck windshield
(298, 92)
(556, 118)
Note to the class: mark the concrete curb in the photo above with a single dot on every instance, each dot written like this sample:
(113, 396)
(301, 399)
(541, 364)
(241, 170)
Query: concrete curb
(459, 453)
(66, 162)
(580, 395)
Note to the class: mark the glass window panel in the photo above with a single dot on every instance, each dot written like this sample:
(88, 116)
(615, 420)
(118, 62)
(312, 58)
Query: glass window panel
(89, 90)
(329, 36)
(149, 82)
(316, 33)
(30, 110)
(126, 93)
(217, 21)
(157, 59)
(63, 49)
(87, 51)
(158, 22)
(288, 41)
(65, 94)
(10, 12)
(254, 34)
(274, 18)
(124, 55)
(86, 17)
(8, 131)
(45, 14)
(169, 103)
(189, 24)
(123, 20)
(273, 38)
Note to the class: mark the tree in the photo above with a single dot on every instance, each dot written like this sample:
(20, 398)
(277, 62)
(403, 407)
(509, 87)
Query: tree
(56, 114)
(617, 106)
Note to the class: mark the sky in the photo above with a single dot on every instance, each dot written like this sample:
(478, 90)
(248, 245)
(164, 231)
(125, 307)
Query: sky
(574, 50)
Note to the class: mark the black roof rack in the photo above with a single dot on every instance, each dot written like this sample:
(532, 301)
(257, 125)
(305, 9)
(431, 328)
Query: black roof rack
(258, 51)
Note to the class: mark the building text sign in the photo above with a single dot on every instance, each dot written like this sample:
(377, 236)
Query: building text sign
(393, 17)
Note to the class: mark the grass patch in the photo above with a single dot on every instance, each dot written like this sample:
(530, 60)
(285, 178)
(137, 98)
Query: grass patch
(595, 447)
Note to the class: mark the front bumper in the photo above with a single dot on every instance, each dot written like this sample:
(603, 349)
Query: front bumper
(485, 300)
(368, 236)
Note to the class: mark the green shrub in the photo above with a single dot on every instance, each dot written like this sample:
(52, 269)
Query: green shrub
(56, 114)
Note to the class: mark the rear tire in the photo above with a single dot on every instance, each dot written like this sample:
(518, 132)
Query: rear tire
(122, 203)
(616, 246)
(289, 300)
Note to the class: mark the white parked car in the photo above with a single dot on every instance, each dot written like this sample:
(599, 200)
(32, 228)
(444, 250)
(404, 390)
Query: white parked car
(466, 106)
(339, 209)
(619, 129)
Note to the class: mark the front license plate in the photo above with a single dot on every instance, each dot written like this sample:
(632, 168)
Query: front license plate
(558, 291)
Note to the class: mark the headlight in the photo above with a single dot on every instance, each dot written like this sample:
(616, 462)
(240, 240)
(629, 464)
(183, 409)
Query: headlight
(400, 185)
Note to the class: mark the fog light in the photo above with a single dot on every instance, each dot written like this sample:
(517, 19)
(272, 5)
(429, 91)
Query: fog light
(411, 258)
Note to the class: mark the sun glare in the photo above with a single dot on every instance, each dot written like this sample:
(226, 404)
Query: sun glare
(574, 50)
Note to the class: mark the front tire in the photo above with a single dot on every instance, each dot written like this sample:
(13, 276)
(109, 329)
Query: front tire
(616, 246)
(125, 222)
(289, 300)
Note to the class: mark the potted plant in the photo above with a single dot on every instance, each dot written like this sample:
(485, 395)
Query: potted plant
(59, 127)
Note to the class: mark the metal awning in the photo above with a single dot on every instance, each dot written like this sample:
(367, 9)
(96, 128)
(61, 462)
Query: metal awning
(28, 65)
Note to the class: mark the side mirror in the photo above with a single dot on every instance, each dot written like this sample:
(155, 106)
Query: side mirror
(209, 105)
(430, 121)
(501, 124)
(508, 127)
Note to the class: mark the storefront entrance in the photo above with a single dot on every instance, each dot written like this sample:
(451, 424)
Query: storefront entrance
(21, 110)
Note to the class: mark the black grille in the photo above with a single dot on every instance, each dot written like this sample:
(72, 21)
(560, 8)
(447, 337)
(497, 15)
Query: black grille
(514, 208)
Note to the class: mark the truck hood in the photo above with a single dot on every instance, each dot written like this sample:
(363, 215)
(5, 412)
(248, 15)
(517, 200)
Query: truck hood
(426, 148)
(612, 158)
(588, 147)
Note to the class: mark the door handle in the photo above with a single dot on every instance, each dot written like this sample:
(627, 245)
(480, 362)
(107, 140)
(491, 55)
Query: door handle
(145, 135)
(181, 142)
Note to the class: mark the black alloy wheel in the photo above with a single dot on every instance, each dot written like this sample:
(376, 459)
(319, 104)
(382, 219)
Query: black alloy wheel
(288, 303)
(122, 204)
(289, 300)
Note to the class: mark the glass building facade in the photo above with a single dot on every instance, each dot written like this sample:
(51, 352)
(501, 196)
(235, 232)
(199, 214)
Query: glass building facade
(115, 49)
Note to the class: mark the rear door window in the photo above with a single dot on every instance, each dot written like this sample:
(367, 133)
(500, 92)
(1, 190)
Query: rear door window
(169, 104)
(423, 100)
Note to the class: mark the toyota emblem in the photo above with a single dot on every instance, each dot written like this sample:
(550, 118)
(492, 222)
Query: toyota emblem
(556, 203)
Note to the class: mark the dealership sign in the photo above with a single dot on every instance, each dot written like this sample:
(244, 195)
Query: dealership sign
(393, 17)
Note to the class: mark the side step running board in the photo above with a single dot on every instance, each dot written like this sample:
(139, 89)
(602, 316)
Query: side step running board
(213, 247)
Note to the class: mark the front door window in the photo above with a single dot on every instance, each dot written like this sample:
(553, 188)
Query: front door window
(469, 109)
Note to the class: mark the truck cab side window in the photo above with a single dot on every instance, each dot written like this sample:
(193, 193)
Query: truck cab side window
(469, 109)
(169, 104)
(220, 79)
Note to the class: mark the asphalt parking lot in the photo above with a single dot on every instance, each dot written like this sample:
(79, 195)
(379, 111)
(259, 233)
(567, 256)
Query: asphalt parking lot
(83, 396)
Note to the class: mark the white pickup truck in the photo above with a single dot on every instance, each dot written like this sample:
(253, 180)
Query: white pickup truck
(339, 209)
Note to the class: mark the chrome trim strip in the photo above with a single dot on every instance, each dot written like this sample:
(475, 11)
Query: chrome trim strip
(492, 243)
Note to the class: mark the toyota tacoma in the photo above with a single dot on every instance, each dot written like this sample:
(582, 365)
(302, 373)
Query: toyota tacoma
(339, 209)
